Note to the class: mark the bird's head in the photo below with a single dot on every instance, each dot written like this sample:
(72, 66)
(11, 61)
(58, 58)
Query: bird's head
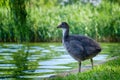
(63, 25)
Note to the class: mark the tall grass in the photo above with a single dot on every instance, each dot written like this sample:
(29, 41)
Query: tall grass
(101, 23)
(107, 71)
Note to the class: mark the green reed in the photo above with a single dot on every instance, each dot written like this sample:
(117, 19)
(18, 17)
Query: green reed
(101, 22)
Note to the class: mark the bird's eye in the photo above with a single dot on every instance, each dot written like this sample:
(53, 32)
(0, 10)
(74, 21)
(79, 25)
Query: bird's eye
(63, 24)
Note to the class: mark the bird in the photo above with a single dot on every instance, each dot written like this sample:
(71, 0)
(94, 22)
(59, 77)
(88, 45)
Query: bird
(80, 47)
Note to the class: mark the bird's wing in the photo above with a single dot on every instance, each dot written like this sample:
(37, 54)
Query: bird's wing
(89, 45)
(76, 46)
(77, 49)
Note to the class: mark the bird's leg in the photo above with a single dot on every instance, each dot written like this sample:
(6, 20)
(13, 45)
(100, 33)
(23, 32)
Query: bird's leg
(80, 66)
(91, 62)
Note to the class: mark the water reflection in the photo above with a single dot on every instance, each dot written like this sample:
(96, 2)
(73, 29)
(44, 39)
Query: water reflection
(20, 61)
(13, 46)
(64, 59)
(100, 57)
(8, 50)
(40, 60)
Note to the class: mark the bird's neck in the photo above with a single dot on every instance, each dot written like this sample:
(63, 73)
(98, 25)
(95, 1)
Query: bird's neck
(65, 33)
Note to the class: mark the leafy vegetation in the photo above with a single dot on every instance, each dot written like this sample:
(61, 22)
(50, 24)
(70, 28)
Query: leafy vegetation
(36, 21)
(109, 71)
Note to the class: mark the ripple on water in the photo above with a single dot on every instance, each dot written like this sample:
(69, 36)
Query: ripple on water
(8, 58)
(6, 54)
(57, 61)
(7, 65)
(31, 51)
(52, 46)
(36, 48)
(65, 56)
(100, 57)
(15, 46)
(54, 67)
(58, 48)
(46, 51)
(34, 57)
(39, 71)
(64, 59)
(42, 76)
(8, 50)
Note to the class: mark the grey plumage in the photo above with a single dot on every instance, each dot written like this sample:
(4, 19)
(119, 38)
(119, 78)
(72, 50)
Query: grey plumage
(79, 47)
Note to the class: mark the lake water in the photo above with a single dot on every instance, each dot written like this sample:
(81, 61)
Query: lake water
(40, 60)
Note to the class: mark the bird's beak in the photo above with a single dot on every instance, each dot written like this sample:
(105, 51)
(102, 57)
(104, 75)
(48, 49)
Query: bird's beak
(58, 26)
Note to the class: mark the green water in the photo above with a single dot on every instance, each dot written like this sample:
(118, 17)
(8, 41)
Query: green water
(41, 60)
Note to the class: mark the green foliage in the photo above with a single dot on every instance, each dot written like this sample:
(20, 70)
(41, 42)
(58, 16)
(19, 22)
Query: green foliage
(109, 71)
(101, 23)
(4, 3)
(114, 1)
(38, 23)
(18, 10)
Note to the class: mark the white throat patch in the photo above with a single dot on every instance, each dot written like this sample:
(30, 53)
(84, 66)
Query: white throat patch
(64, 30)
